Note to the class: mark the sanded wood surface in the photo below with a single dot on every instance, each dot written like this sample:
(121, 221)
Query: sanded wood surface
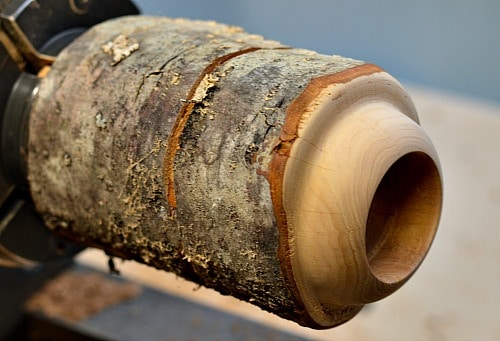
(265, 172)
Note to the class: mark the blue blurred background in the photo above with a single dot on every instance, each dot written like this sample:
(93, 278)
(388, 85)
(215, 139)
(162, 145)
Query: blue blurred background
(448, 44)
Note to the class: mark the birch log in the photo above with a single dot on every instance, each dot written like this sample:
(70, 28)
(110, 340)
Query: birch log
(299, 182)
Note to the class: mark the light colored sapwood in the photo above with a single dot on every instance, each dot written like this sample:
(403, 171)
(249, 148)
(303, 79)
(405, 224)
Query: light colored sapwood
(299, 182)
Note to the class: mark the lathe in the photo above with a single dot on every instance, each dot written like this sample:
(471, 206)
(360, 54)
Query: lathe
(298, 182)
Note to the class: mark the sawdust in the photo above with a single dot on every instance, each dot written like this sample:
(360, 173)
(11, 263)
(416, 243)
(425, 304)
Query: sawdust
(120, 48)
(208, 81)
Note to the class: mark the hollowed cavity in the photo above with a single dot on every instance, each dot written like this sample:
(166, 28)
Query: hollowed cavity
(403, 217)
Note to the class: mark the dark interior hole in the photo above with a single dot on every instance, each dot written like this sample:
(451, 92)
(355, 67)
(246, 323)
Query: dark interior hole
(403, 217)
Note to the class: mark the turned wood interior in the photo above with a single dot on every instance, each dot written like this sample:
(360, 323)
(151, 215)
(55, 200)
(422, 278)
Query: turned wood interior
(402, 217)
(362, 196)
(225, 137)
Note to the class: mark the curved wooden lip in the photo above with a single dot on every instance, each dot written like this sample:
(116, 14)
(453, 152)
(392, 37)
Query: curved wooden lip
(298, 113)
(281, 153)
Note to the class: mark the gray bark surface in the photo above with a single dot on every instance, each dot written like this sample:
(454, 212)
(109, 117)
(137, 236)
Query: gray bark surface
(163, 156)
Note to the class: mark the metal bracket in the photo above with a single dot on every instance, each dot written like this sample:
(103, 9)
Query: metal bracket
(32, 33)
(17, 44)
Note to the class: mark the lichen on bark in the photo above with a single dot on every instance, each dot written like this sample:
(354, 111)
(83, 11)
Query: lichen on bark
(170, 150)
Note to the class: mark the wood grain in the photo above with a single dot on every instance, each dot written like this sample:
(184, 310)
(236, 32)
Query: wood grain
(361, 194)
(296, 181)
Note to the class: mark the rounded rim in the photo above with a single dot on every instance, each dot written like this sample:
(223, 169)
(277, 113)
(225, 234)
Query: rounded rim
(343, 250)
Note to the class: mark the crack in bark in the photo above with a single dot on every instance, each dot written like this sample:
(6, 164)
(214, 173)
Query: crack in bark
(157, 72)
(180, 123)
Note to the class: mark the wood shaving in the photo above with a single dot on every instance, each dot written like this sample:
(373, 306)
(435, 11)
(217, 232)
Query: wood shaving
(120, 48)
(207, 82)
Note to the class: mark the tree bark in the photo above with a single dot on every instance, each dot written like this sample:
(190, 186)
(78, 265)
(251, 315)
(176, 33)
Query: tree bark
(167, 142)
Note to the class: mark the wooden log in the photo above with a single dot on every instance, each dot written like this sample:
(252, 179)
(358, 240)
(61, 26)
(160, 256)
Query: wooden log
(299, 182)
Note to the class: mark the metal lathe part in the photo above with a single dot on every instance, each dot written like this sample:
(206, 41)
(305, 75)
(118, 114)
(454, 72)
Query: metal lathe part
(32, 33)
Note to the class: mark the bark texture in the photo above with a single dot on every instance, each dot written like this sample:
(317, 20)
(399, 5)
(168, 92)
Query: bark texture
(152, 139)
